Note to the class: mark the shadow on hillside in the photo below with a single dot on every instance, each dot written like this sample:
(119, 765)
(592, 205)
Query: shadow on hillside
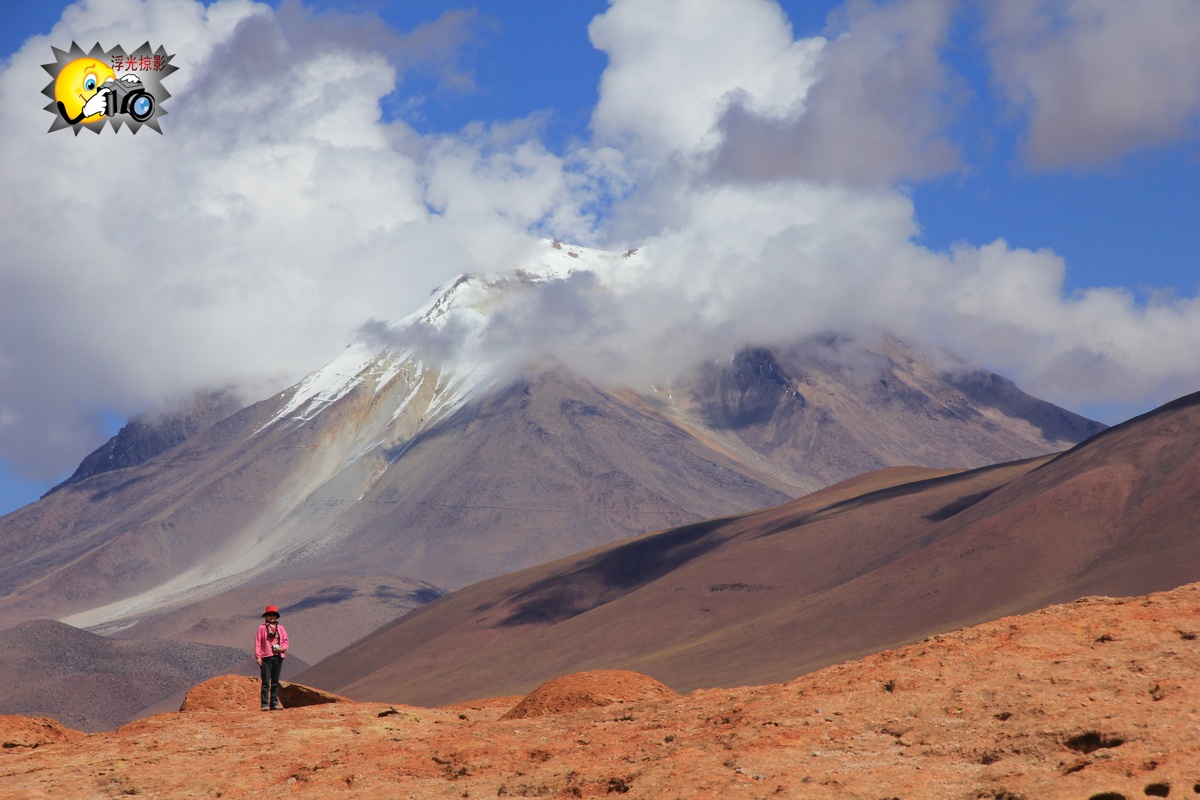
(612, 574)
(100, 494)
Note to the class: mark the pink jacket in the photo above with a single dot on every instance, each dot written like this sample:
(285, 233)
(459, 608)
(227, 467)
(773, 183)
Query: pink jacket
(262, 647)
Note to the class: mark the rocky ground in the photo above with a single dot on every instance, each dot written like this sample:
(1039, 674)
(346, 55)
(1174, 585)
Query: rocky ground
(1096, 700)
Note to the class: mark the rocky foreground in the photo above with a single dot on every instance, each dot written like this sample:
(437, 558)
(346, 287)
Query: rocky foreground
(1098, 699)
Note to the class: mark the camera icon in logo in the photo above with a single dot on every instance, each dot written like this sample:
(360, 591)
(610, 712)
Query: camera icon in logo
(128, 97)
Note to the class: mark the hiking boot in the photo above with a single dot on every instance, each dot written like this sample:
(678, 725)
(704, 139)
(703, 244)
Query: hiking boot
(264, 706)
(276, 706)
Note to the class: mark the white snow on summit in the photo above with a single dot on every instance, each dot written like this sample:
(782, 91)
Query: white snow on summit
(466, 303)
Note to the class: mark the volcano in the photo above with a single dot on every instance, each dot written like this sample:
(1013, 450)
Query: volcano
(425, 458)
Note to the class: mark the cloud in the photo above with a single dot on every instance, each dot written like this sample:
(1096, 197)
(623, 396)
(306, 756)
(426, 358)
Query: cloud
(1098, 79)
(432, 48)
(281, 211)
(772, 242)
(768, 265)
(876, 112)
(728, 82)
(277, 213)
(674, 63)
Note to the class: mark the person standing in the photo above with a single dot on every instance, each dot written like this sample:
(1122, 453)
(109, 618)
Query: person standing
(270, 648)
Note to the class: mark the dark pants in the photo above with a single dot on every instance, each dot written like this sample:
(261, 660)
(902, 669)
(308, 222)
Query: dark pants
(270, 669)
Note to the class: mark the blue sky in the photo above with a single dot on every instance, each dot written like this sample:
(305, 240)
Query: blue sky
(1015, 181)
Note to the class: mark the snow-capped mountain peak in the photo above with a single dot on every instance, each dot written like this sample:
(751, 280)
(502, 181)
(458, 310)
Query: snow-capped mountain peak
(455, 318)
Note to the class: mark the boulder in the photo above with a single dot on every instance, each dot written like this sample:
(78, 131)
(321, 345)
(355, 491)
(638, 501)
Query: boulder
(594, 689)
(226, 692)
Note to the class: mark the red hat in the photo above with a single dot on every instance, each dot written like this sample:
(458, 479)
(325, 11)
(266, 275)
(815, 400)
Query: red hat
(271, 610)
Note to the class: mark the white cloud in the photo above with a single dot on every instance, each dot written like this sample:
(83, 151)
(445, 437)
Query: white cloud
(876, 112)
(278, 212)
(727, 80)
(775, 242)
(748, 264)
(275, 214)
(1098, 78)
(675, 64)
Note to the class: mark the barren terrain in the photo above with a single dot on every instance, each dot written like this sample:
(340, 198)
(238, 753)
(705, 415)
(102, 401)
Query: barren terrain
(881, 560)
(1095, 699)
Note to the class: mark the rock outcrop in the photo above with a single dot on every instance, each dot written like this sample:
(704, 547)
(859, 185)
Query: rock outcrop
(236, 693)
(19, 733)
(597, 689)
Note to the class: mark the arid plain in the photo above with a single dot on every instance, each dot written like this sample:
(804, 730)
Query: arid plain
(1093, 699)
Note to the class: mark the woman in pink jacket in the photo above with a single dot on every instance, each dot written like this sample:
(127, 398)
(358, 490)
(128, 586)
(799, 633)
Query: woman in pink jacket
(270, 648)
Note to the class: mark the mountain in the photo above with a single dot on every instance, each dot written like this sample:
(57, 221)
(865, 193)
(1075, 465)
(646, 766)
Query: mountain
(151, 433)
(877, 561)
(1095, 699)
(419, 458)
(830, 408)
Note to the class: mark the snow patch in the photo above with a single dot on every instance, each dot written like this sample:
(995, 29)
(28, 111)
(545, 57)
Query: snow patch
(325, 386)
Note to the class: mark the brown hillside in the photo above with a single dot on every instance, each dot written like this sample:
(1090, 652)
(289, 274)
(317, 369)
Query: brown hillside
(829, 577)
(320, 614)
(394, 480)
(1096, 699)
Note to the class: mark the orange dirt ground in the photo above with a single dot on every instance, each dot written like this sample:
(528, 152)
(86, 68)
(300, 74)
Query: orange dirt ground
(1098, 699)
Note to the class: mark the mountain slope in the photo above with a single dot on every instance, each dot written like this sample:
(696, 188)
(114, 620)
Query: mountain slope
(419, 457)
(830, 407)
(147, 435)
(853, 569)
